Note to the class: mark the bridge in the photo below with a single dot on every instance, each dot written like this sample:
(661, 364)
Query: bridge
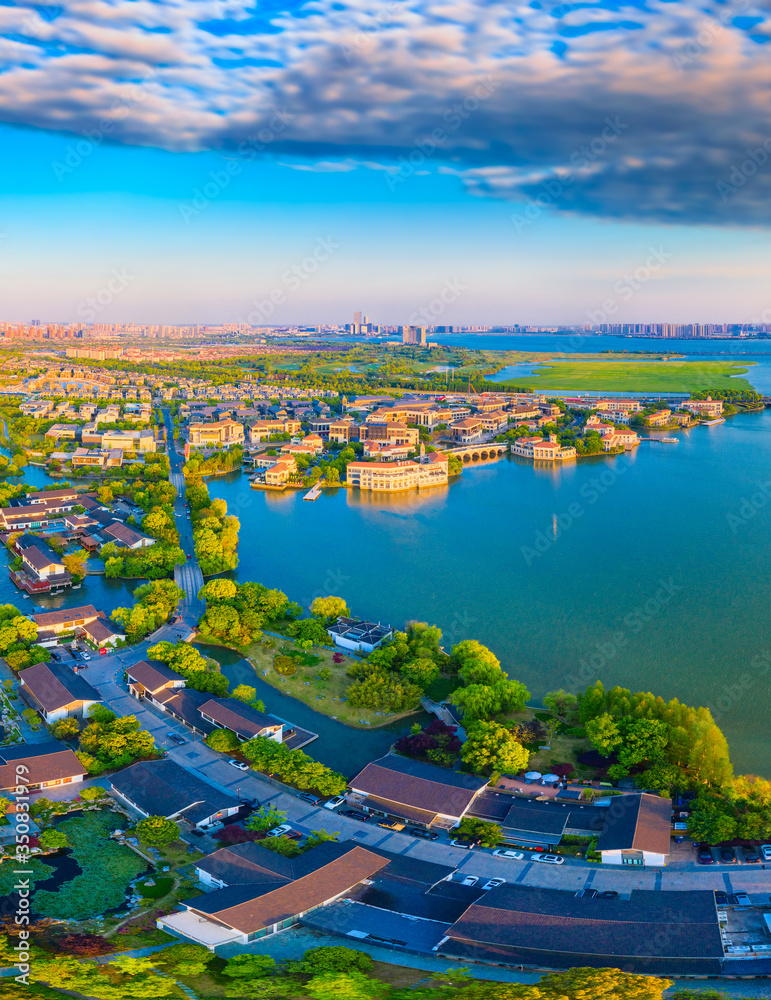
(479, 452)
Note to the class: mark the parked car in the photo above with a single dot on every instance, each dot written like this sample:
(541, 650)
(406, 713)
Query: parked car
(765, 851)
(355, 814)
(742, 899)
(548, 859)
(279, 831)
(609, 894)
(335, 802)
(55, 656)
(587, 893)
(176, 738)
(465, 845)
(727, 856)
(512, 855)
(470, 880)
(493, 883)
(704, 855)
(751, 856)
(307, 797)
(721, 898)
(239, 764)
(85, 656)
(419, 831)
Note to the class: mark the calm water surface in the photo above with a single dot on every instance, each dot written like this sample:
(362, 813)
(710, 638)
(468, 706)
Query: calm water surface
(649, 571)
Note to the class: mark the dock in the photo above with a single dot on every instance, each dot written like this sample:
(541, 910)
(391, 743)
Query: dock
(314, 493)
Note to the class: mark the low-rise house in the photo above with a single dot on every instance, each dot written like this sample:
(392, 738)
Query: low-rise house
(141, 441)
(265, 893)
(661, 418)
(52, 624)
(220, 434)
(59, 432)
(126, 537)
(494, 420)
(85, 458)
(246, 722)
(39, 765)
(637, 831)
(525, 411)
(41, 569)
(411, 790)
(467, 431)
(149, 680)
(708, 407)
(102, 634)
(359, 636)
(56, 691)
(280, 472)
(163, 788)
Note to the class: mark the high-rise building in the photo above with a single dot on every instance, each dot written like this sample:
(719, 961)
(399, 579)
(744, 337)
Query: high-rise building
(414, 335)
(357, 319)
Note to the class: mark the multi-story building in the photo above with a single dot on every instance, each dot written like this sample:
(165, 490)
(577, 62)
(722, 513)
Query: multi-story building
(219, 434)
(397, 476)
(540, 450)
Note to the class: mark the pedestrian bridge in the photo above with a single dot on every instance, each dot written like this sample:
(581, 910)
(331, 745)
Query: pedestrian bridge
(479, 452)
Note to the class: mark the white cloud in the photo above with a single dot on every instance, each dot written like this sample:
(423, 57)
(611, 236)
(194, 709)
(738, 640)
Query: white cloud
(367, 85)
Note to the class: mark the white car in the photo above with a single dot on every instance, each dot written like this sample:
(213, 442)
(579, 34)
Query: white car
(494, 883)
(512, 855)
(548, 859)
(239, 764)
(334, 803)
(765, 851)
(470, 880)
(279, 831)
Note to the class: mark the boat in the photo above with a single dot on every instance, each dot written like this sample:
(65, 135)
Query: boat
(669, 440)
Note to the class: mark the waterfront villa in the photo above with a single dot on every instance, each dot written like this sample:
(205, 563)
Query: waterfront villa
(52, 624)
(540, 450)
(246, 722)
(708, 407)
(280, 472)
(56, 692)
(467, 431)
(396, 476)
(413, 791)
(41, 570)
(149, 680)
(659, 419)
(84, 458)
(359, 636)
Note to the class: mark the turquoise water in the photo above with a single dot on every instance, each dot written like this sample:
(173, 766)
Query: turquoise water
(649, 571)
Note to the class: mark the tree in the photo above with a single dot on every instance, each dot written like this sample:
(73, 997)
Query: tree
(603, 733)
(223, 741)
(248, 695)
(711, 821)
(562, 703)
(185, 959)
(316, 837)
(65, 729)
(75, 563)
(157, 831)
(265, 819)
(249, 966)
(483, 701)
(475, 664)
(53, 840)
(591, 702)
(92, 794)
(331, 958)
(422, 672)
(351, 985)
(216, 591)
(329, 608)
(480, 832)
(491, 747)
(384, 692)
(84, 944)
(281, 845)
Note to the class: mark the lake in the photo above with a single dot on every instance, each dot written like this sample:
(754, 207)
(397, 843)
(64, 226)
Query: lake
(649, 571)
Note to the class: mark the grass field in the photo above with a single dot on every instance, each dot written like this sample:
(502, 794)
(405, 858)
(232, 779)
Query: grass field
(639, 376)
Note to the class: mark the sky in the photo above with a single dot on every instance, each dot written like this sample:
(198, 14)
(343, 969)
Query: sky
(435, 162)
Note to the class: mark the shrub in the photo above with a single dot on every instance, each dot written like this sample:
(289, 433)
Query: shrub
(284, 666)
(84, 944)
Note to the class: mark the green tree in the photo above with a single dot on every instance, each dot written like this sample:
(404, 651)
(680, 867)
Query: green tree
(475, 663)
(223, 741)
(331, 958)
(422, 672)
(329, 608)
(479, 831)
(157, 831)
(491, 747)
(249, 966)
(265, 819)
(65, 729)
(351, 985)
(711, 820)
(217, 591)
(53, 840)
(603, 733)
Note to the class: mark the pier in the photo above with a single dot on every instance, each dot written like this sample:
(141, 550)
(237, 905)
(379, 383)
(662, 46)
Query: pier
(314, 493)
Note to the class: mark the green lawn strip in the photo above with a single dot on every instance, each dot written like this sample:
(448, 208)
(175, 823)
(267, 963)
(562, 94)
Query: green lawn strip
(636, 376)
(107, 868)
(161, 888)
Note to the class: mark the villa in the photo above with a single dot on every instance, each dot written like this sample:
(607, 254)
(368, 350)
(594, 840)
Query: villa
(400, 475)
(637, 831)
(57, 692)
(41, 570)
(45, 765)
(540, 450)
(359, 636)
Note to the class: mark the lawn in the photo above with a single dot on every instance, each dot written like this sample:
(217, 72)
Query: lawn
(677, 375)
(307, 686)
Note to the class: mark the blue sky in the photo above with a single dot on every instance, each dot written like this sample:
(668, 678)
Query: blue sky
(530, 159)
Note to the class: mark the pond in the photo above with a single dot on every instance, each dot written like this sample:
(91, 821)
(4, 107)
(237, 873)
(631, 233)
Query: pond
(340, 747)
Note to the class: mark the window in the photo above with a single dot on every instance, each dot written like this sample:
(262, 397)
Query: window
(632, 858)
